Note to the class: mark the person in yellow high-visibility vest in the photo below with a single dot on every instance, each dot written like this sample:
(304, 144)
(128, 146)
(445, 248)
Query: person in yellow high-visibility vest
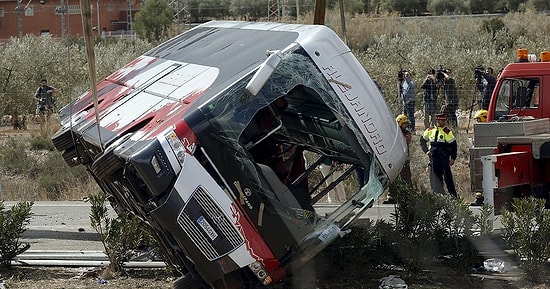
(481, 116)
(439, 144)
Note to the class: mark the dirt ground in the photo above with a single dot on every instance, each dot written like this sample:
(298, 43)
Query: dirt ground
(359, 278)
(81, 278)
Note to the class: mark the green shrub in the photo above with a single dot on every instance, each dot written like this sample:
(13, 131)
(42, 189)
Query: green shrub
(40, 173)
(526, 229)
(364, 244)
(482, 220)
(428, 225)
(13, 157)
(13, 224)
(423, 227)
(53, 176)
(119, 236)
(41, 143)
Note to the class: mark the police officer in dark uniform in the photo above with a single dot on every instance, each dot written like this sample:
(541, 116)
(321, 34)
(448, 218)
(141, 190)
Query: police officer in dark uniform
(442, 151)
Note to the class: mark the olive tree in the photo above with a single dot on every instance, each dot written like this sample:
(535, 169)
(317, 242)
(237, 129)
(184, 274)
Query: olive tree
(24, 63)
(154, 19)
(441, 7)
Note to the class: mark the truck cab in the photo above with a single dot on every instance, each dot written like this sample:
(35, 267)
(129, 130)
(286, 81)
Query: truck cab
(511, 151)
(521, 87)
(212, 139)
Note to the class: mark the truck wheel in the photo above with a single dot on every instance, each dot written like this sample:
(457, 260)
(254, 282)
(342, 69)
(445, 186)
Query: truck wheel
(70, 156)
(74, 157)
(188, 282)
(63, 139)
(106, 166)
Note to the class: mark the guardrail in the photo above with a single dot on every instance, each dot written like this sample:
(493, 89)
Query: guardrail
(81, 259)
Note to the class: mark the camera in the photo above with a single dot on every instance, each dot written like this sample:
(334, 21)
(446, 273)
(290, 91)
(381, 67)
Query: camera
(479, 71)
(401, 74)
(440, 73)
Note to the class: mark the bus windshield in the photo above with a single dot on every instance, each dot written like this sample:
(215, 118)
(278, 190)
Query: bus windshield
(280, 136)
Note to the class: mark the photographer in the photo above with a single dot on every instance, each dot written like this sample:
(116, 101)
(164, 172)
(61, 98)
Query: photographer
(485, 81)
(429, 96)
(44, 98)
(451, 99)
(408, 94)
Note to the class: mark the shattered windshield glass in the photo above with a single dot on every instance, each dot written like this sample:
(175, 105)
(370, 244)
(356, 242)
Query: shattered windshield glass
(235, 109)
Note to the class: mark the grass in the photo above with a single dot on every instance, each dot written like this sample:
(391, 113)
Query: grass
(31, 170)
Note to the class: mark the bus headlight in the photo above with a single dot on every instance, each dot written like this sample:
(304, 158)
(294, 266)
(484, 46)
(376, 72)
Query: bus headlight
(258, 269)
(176, 145)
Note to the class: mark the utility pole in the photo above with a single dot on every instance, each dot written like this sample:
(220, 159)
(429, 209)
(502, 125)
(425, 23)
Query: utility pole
(19, 19)
(319, 14)
(343, 21)
(181, 14)
(98, 22)
(273, 10)
(63, 24)
(62, 9)
(297, 9)
(129, 15)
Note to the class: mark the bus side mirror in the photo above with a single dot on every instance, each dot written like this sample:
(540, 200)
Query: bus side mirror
(264, 72)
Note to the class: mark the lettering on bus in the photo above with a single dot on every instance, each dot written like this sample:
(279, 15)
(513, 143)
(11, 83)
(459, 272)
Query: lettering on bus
(359, 113)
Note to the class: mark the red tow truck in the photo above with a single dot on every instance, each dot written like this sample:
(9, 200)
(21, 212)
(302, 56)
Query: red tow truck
(511, 152)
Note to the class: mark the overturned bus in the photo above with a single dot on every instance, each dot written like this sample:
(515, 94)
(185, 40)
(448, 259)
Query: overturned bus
(204, 137)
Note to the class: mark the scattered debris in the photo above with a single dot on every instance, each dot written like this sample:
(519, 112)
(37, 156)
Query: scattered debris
(392, 282)
(87, 273)
(496, 265)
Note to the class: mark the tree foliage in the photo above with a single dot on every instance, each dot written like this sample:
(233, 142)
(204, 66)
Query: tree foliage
(484, 6)
(154, 19)
(443, 7)
(28, 59)
(197, 11)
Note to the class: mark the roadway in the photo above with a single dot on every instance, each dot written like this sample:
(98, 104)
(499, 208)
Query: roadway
(65, 226)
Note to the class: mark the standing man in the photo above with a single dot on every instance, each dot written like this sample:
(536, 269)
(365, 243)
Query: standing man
(403, 123)
(409, 97)
(451, 99)
(481, 116)
(442, 152)
(429, 96)
(486, 87)
(44, 98)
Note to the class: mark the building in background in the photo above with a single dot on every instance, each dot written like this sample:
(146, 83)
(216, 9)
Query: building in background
(60, 18)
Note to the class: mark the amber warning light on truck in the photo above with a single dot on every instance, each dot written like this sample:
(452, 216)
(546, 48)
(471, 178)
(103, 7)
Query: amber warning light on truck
(524, 56)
